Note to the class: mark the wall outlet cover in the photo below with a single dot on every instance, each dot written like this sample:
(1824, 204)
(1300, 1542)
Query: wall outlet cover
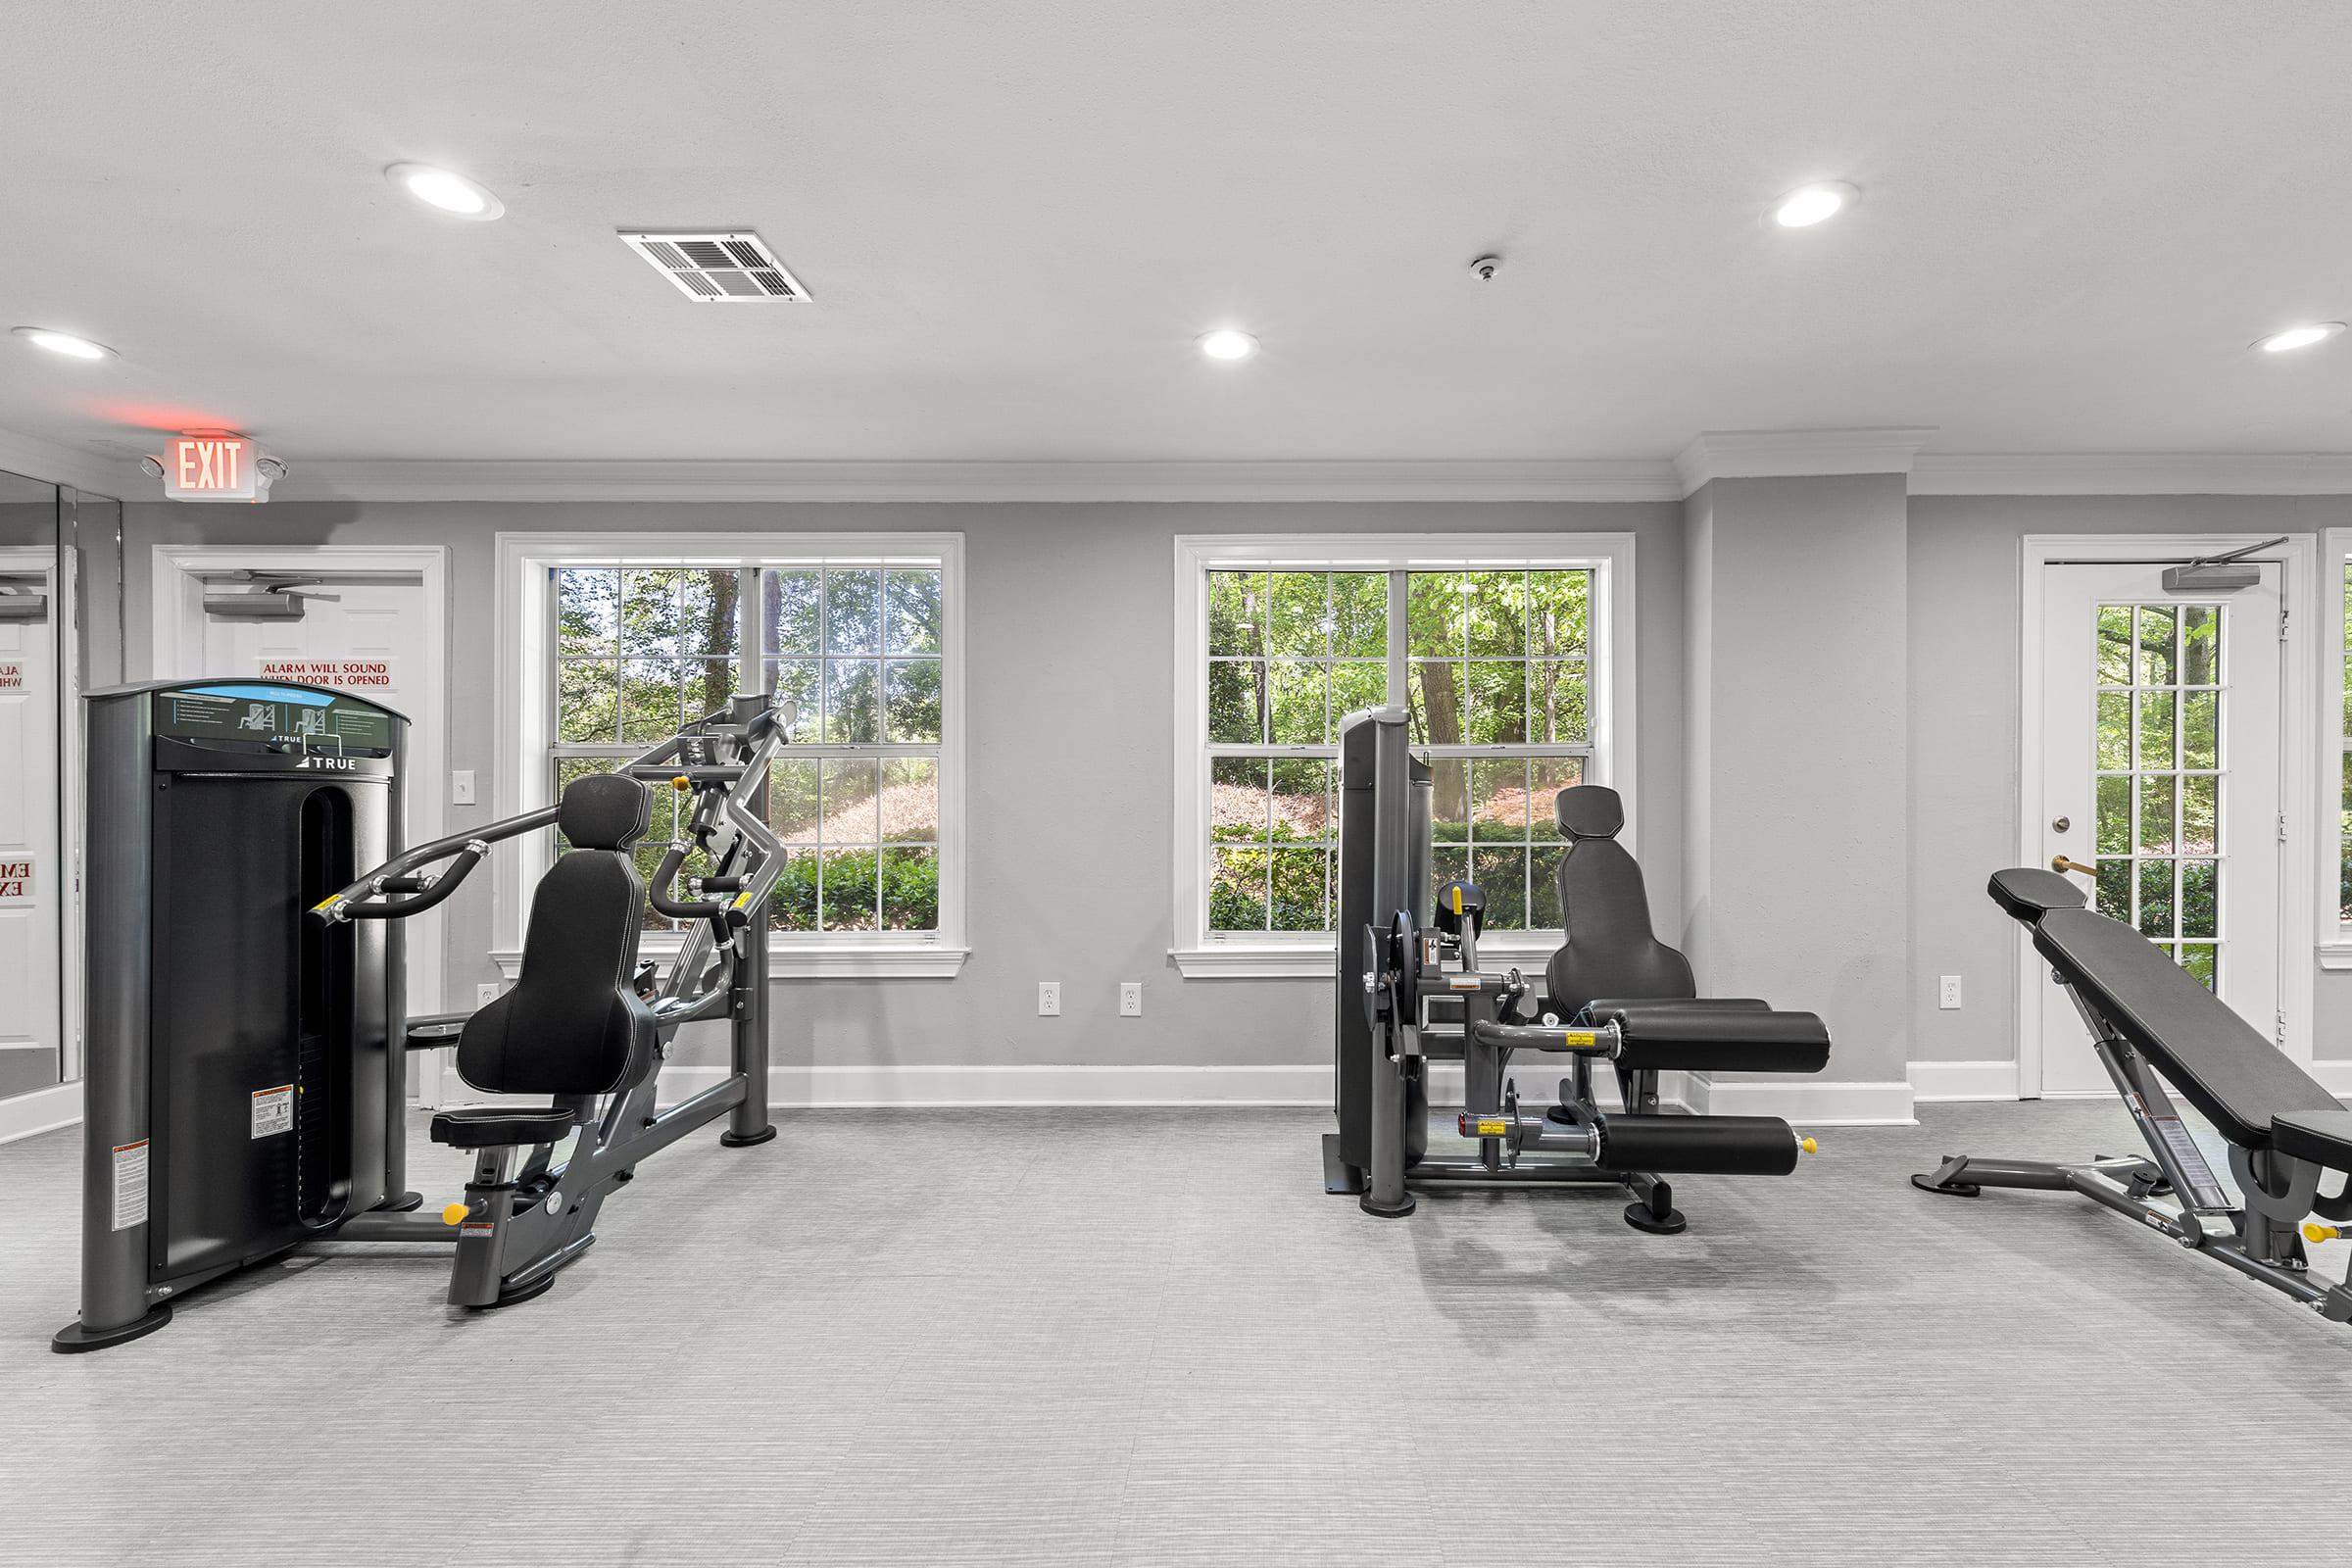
(1131, 999)
(1048, 999)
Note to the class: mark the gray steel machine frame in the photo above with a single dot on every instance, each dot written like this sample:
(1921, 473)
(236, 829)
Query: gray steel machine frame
(521, 1225)
(1392, 969)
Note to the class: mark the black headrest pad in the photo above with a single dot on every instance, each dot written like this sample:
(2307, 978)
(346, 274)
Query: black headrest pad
(604, 812)
(1590, 811)
(2029, 894)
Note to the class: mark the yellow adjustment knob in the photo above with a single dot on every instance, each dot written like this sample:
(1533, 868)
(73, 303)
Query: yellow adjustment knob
(1808, 1145)
(2314, 1231)
(453, 1213)
(681, 782)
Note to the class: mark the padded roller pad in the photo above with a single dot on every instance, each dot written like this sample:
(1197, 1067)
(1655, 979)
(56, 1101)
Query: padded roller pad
(1614, 1004)
(1697, 1145)
(1670, 1036)
(495, 1126)
(2323, 1137)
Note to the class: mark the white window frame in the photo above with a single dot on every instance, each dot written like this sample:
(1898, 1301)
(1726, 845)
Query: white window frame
(1203, 954)
(525, 720)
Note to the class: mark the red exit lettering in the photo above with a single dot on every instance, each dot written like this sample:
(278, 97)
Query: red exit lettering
(208, 462)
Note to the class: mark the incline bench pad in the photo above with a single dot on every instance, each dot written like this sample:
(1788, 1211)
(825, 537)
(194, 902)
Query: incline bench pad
(2323, 1137)
(2219, 1062)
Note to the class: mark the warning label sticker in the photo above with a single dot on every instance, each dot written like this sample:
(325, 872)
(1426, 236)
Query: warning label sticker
(12, 676)
(131, 1184)
(16, 879)
(272, 1110)
(338, 674)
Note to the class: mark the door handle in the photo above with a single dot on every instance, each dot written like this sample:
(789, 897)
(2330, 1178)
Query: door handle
(2059, 863)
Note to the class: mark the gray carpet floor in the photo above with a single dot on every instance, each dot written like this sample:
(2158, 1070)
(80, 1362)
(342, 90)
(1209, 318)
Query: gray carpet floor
(1148, 1337)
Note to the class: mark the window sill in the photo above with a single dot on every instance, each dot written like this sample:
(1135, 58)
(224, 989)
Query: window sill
(2335, 956)
(1309, 962)
(925, 960)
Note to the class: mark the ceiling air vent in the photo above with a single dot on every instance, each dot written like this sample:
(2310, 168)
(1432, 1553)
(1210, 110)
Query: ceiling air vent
(718, 269)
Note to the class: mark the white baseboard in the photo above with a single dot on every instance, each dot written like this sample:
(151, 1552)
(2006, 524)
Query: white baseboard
(40, 1112)
(1934, 1082)
(1804, 1100)
(2335, 1076)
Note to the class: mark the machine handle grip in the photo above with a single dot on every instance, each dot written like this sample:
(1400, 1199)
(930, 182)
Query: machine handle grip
(2059, 863)
(732, 910)
(338, 909)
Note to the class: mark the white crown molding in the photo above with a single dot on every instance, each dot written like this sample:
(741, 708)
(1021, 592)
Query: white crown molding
(2152, 474)
(1794, 454)
(1638, 479)
(53, 462)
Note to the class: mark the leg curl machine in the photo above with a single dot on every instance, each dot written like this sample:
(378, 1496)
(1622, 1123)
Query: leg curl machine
(1408, 995)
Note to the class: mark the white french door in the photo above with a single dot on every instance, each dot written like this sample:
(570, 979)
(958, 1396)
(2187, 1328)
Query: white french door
(33, 877)
(2161, 726)
(386, 609)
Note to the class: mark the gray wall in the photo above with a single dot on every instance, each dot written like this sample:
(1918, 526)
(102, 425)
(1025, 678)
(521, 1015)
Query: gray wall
(1966, 559)
(1797, 611)
(1069, 678)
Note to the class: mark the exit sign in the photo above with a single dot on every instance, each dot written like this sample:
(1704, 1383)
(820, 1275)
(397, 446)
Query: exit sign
(212, 467)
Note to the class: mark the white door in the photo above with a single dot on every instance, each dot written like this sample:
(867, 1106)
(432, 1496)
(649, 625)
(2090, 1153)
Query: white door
(379, 612)
(31, 886)
(2161, 717)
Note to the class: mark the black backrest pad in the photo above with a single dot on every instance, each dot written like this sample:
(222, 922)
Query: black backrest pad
(1610, 950)
(604, 812)
(2220, 1065)
(565, 1029)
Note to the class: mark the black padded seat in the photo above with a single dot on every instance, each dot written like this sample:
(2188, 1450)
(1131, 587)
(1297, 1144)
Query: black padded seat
(2323, 1137)
(2221, 1063)
(1610, 949)
(494, 1126)
(572, 1019)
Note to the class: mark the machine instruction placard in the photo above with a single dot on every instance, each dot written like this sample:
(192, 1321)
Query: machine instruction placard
(16, 879)
(12, 676)
(272, 1110)
(131, 1184)
(372, 676)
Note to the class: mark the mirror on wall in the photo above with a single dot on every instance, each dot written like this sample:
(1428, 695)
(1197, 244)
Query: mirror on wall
(61, 633)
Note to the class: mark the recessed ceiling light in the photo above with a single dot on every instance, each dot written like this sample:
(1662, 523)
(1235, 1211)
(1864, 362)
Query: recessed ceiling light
(1808, 205)
(2299, 337)
(453, 194)
(66, 343)
(1227, 344)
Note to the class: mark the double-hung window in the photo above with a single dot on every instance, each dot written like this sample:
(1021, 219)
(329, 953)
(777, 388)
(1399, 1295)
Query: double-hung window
(1512, 656)
(621, 641)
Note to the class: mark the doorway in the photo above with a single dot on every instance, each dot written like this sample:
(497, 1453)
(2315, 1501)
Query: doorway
(2161, 767)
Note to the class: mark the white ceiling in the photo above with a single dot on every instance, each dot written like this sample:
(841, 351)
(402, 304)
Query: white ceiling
(1014, 218)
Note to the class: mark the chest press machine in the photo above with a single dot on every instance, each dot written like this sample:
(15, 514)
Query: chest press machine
(1409, 996)
(247, 1031)
(2152, 1023)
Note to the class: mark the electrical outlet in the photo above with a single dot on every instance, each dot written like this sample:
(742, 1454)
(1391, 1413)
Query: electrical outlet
(461, 787)
(1048, 999)
(1951, 997)
(1131, 999)
(486, 993)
